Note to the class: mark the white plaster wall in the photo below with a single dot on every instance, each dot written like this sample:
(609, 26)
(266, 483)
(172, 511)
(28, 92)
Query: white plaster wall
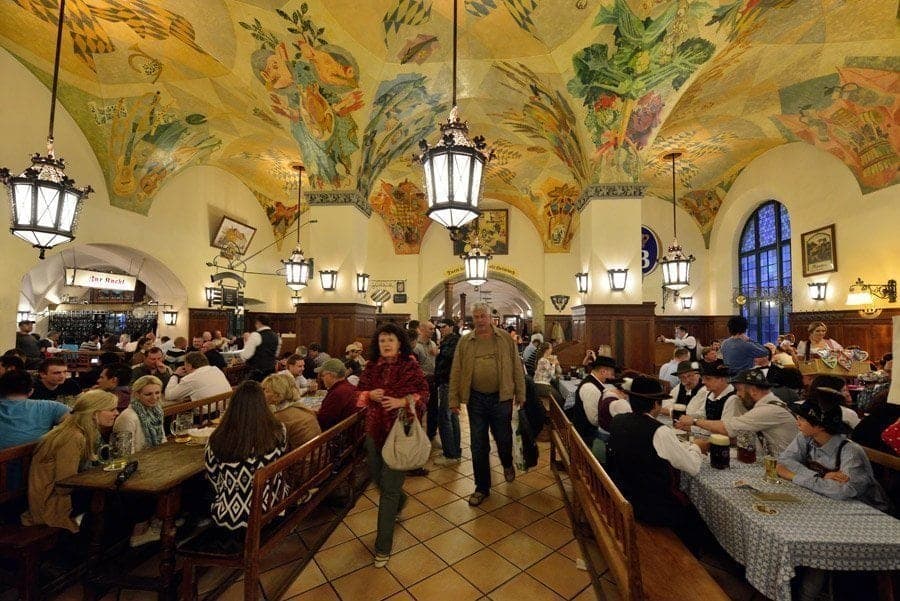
(817, 189)
(657, 214)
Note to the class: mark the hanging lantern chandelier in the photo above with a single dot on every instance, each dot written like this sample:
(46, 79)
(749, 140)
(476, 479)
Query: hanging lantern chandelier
(676, 267)
(476, 264)
(44, 202)
(454, 167)
(297, 269)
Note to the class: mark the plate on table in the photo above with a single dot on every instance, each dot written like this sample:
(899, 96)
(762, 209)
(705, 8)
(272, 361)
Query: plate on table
(200, 435)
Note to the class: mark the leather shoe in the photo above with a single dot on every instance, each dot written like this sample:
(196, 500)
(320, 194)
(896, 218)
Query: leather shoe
(477, 498)
(417, 472)
(509, 473)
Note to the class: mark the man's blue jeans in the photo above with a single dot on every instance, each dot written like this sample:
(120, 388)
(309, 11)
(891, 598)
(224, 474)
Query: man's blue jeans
(486, 411)
(449, 425)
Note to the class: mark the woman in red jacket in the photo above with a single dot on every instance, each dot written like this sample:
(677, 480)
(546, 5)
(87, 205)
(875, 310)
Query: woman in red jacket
(392, 378)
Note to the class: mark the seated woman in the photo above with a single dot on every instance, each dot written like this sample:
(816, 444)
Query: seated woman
(817, 342)
(546, 370)
(822, 459)
(64, 451)
(282, 396)
(248, 438)
(144, 416)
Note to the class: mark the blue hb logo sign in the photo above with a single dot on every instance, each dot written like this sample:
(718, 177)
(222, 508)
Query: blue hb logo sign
(650, 250)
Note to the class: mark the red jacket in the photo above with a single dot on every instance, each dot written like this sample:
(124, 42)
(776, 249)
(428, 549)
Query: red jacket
(398, 378)
(338, 404)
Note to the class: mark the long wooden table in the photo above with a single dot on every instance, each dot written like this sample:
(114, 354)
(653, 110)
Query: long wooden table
(161, 472)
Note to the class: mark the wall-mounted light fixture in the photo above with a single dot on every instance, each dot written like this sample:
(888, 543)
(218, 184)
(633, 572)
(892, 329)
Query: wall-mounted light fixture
(687, 302)
(581, 282)
(617, 279)
(328, 277)
(865, 294)
(23, 316)
(817, 290)
(211, 293)
(170, 315)
(362, 282)
(295, 300)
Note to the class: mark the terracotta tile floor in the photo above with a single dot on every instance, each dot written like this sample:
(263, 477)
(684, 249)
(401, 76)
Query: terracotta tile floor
(517, 545)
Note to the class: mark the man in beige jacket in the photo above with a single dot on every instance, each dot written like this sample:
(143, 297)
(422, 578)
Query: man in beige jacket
(488, 376)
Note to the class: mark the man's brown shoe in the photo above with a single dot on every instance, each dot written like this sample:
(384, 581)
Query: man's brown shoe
(509, 473)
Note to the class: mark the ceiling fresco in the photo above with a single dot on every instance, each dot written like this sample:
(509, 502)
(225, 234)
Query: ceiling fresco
(567, 92)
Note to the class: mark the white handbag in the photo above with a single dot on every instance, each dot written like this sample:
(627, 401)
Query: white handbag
(407, 446)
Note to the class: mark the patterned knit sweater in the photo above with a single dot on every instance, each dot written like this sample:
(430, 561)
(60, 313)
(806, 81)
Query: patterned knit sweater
(233, 486)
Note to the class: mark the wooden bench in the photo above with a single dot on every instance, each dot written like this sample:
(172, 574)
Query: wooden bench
(646, 562)
(323, 463)
(20, 544)
(214, 405)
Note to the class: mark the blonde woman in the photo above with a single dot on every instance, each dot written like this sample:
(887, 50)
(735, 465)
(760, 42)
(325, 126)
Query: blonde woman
(282, 395)
(817, 341)
(144, 416)
(67, 449)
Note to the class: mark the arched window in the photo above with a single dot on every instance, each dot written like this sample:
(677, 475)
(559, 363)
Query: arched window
(764, 261)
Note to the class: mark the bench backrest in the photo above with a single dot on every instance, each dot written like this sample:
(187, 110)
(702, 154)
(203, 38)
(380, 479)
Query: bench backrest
(213, 403)
(608, 513)
(14, 465)
(304, 468)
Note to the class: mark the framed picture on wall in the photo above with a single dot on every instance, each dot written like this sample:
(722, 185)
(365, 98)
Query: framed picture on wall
(819, 248)
(492, 230)
(233, 236)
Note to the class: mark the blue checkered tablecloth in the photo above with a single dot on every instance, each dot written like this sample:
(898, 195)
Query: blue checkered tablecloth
(817, 532)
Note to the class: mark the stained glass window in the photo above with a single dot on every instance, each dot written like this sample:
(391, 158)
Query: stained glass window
(764, 265)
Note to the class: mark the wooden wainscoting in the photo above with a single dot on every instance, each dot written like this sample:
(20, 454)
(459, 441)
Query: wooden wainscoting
(334, 325)
(210, 320)
(628, 329)
(850, 329)
(705, 328)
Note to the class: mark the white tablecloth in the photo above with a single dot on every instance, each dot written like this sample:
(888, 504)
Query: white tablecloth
(817, 532)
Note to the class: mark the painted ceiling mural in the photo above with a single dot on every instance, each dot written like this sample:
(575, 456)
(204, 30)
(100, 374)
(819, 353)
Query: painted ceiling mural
(567, 92)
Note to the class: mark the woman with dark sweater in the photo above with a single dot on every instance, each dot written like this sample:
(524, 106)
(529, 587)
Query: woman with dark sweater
(391, 380)
(248, 438)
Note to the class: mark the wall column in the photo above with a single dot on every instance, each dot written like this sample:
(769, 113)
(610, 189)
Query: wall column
(448, 300)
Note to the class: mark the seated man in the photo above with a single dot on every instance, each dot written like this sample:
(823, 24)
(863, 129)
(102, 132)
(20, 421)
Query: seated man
(667, 371)
(152, 365)
(196, 379)
(116, 378)
(23, 420)
(849, 416)
(767, 415)
(354, 360)
(590, 395)
(294, 366)
(720, 398)
(689, 391)
(822, 458)
(642, 452)
(53, 381)
(340, 402)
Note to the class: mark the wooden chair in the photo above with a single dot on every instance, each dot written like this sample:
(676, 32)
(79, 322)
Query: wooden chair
(21, 544)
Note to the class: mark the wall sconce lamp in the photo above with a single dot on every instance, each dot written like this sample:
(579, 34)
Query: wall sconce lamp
(170, 315)
(581, 282)
(23, 316)
(687, 302)
(617, 279)
(328, 278)
(213, 294)
(362, 282)
(862, 293)
(817, 290)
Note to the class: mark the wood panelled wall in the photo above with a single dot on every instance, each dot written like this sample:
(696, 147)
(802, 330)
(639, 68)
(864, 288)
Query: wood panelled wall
(848, 328)
(209, 320)
(628, 329)
(334, 325)
(281, 323)
(705, 328)
(565, 325)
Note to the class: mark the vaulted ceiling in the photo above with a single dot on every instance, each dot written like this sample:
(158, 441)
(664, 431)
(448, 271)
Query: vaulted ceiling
(567, 92)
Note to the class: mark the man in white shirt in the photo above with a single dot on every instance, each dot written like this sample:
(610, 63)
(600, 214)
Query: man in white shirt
(682, 340)
(196, 379)
(768, 416)
(720, 399)
(641, 453)
(689, 387)
(667, 371)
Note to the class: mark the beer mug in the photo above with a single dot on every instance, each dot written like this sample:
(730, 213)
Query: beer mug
(181, 425)
(719, 451)
(119, 450)
(771, 465)
(746, 446)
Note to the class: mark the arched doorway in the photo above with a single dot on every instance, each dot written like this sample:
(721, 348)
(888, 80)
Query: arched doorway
(506, 294)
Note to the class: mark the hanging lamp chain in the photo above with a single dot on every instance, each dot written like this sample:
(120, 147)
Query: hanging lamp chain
(455, 11)
(299, 169)
(674, 200)
(59, 33)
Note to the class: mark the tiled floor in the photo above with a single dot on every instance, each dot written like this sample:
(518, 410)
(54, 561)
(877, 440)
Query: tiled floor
(518, 545)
